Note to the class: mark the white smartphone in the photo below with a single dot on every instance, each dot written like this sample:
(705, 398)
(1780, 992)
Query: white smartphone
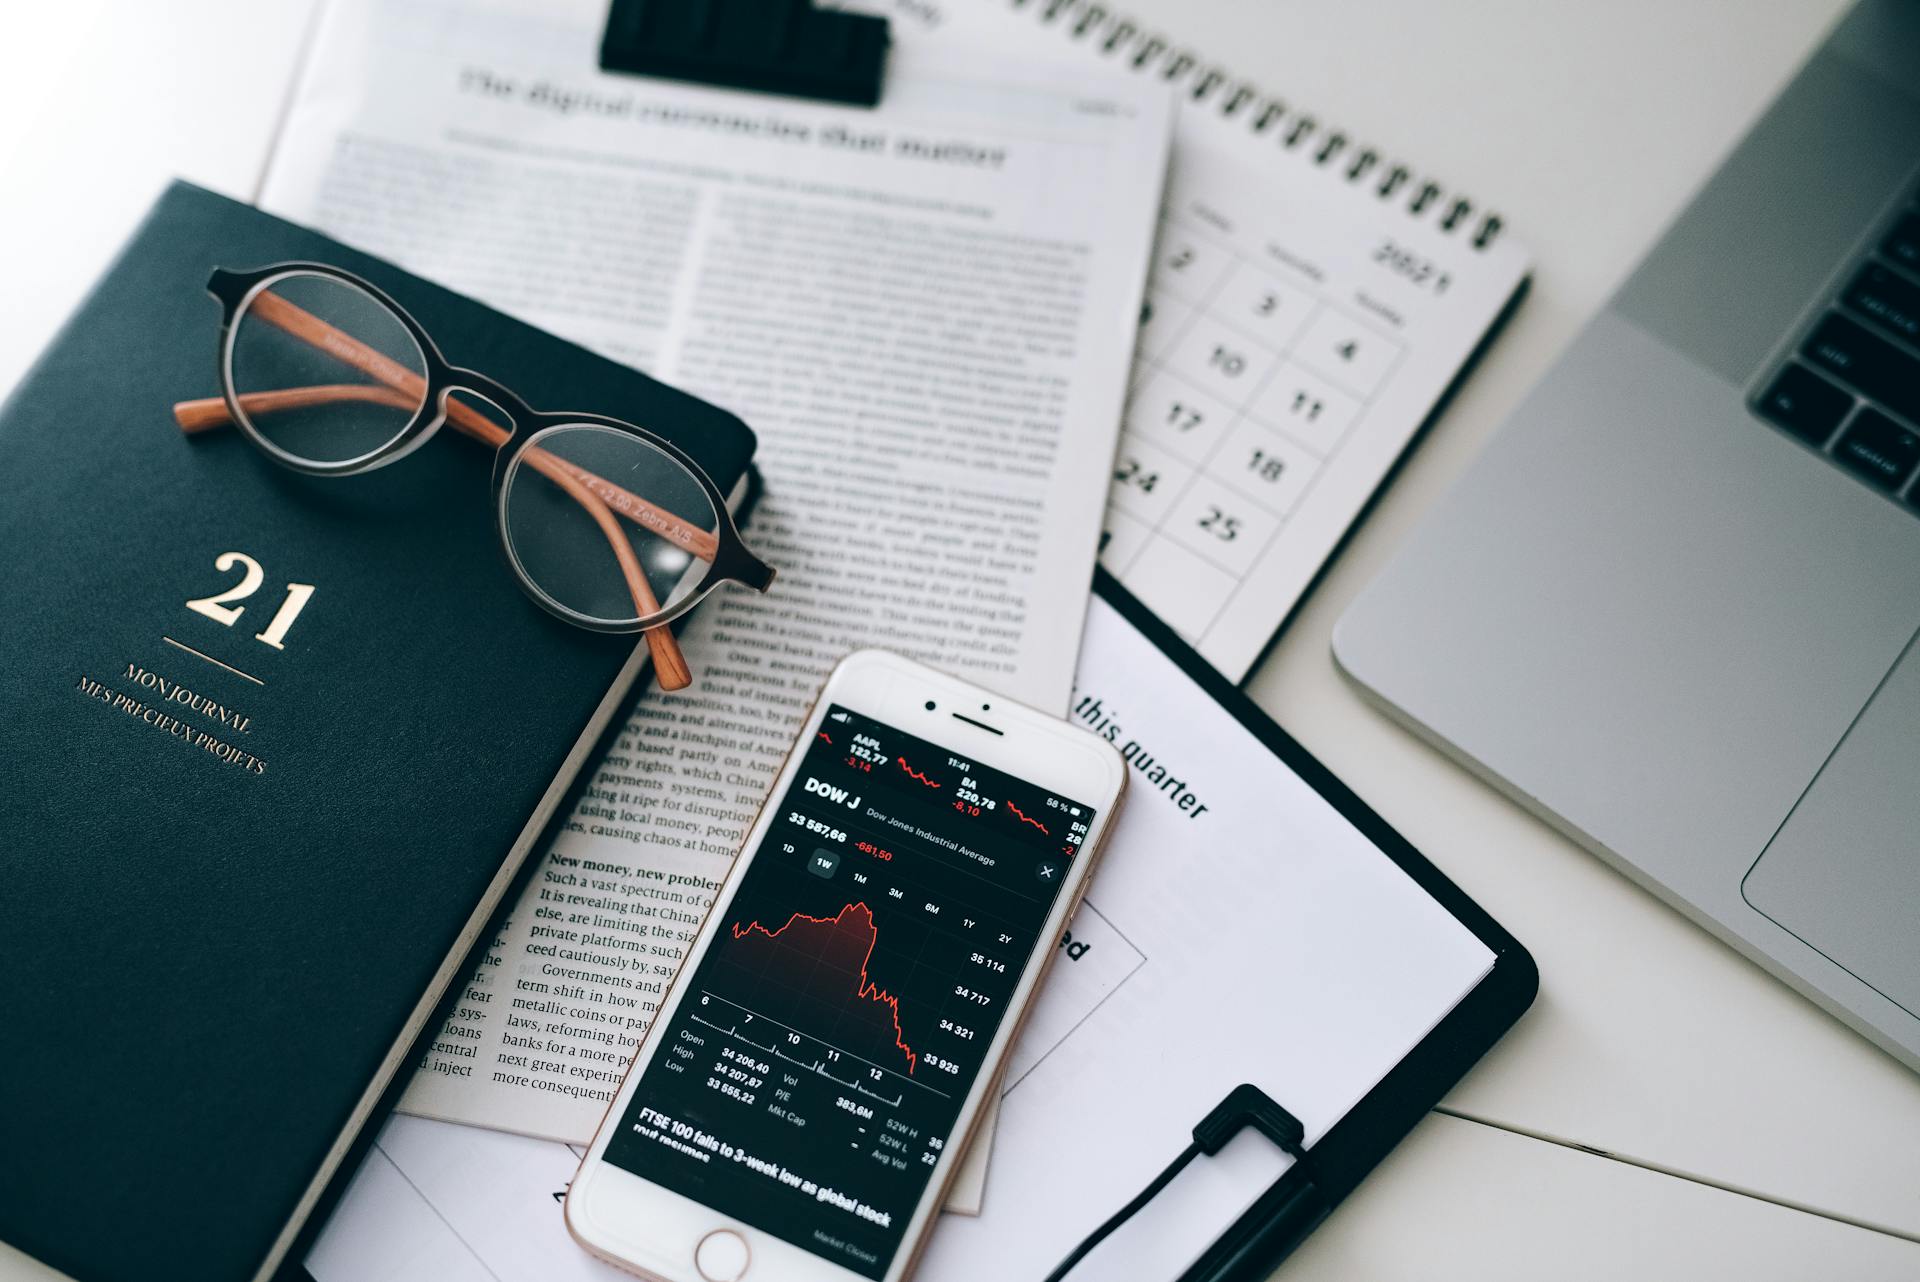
(807, 1088)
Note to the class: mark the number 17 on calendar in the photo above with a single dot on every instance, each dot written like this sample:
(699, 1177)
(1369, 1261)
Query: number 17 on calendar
(1248, 383)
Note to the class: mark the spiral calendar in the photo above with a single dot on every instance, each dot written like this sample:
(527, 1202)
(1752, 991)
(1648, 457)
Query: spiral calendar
(1312, 303)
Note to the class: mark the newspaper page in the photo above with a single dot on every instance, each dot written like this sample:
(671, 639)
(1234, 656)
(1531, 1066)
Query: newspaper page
(925, 310)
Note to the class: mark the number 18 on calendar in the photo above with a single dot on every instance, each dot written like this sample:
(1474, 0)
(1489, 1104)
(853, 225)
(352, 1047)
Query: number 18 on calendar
(1280, 372)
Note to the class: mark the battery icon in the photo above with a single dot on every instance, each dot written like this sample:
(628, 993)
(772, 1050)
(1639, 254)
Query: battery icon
(1074, 809)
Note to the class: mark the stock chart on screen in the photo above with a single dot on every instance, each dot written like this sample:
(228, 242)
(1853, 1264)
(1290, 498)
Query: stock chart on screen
(809, 1079)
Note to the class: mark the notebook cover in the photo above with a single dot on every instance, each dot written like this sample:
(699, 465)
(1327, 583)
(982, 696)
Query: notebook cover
(217, 957)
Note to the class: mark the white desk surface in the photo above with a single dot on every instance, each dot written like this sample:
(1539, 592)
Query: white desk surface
(1586, 125)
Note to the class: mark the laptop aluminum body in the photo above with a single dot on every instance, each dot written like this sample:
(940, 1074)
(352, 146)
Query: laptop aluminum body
(1676, 619)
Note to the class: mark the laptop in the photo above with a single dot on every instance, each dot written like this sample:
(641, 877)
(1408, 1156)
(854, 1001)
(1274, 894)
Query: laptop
(1673, 605)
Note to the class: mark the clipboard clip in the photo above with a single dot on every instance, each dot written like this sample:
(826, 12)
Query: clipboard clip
(1245, 1105)
(769, 46)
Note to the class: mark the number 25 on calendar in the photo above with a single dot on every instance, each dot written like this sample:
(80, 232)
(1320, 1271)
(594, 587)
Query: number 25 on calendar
(1220, 525)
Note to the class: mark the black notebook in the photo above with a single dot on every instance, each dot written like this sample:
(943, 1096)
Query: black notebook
(240, 878)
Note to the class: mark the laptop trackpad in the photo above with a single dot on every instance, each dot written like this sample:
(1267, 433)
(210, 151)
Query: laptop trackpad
(1843, 874)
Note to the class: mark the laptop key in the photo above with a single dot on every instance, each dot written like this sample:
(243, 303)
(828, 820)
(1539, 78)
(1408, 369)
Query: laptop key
(1872, 365)
(1805, 404)
(1888, 300)
(1879, 449)
(1903, 243)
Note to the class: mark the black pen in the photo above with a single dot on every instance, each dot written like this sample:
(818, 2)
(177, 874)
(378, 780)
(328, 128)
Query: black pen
(1281, 1218)
(1283, 1227)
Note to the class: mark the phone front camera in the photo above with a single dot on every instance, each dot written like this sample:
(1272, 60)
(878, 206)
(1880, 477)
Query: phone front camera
(929, 705)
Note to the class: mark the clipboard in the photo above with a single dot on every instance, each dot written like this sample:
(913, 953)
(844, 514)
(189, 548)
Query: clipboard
(1281, 1217)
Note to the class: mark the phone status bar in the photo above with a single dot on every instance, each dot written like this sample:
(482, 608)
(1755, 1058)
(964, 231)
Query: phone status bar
(971, 798)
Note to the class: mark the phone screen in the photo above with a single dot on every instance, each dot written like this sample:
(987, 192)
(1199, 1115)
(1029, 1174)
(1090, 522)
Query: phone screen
(812, 1074)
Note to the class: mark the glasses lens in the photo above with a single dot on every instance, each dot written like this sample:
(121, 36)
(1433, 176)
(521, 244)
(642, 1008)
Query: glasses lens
(606, 526)
(323, 371)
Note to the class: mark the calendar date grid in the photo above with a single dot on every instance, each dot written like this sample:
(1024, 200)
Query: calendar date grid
(1247, 388)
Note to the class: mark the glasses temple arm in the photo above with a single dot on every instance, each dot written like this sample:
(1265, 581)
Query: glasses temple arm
(669, 663)
(410, 389)
(205, 415)
(406, 389)
(211, 412)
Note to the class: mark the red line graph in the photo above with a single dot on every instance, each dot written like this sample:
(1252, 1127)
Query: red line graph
(866, 989)
(1025, 818)
(824, 735)
(915, 774)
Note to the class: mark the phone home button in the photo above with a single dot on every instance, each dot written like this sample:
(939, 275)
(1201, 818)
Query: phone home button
(722, 1256)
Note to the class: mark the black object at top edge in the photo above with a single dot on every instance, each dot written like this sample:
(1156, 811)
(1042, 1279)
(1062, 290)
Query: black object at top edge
(771, 46)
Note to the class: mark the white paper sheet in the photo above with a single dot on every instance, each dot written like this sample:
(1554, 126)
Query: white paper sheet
(926, 311)
(1238, 929)
(1297, 332)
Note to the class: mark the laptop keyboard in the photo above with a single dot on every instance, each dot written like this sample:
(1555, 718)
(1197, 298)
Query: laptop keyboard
(1852, 389)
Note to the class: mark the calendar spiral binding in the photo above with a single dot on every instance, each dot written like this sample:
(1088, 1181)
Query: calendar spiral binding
(1117, 36)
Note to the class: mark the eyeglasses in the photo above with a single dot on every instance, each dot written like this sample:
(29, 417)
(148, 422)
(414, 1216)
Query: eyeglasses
(604, 524)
